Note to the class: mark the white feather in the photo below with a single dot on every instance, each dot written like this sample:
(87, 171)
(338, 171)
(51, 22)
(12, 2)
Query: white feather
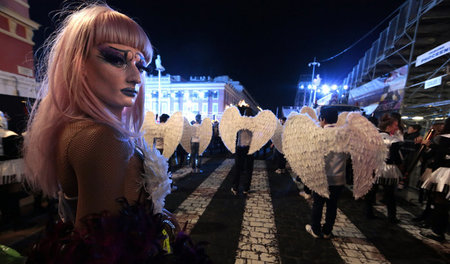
(156, 180)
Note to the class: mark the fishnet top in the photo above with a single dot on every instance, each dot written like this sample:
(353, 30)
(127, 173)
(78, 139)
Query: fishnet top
(95, 163)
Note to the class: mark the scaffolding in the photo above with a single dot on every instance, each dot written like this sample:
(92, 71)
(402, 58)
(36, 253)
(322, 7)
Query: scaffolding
(417, 27)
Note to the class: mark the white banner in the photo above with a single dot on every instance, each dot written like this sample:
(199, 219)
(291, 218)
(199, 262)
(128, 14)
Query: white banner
(433, 54)
(433, 82)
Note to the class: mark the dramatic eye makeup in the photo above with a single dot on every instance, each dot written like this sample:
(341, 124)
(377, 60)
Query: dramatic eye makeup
(121, 58)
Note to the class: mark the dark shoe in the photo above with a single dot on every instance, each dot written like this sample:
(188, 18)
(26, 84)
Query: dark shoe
(311, 232)
(234, 191)
(434, 236)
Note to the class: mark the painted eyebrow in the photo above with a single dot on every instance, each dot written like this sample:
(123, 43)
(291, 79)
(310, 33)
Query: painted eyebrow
(139, 53)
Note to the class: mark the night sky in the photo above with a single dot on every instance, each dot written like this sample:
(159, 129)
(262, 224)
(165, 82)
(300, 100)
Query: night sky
(266, 45)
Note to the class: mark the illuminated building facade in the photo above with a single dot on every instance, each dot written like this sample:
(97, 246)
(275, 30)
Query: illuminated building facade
(205, 95)
(17, 81)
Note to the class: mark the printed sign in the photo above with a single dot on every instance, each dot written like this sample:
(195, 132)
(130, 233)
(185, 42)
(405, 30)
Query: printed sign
(433, 82)
(433, 54)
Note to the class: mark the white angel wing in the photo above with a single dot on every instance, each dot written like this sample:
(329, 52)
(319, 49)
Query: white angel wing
(367, 150)
(149, 128)
(172, 133)
(304, 145)
(342, 118)
(311, 113)
(187, 135)
(229, 125)
(276, 138)
(205, 134)
(262, 126)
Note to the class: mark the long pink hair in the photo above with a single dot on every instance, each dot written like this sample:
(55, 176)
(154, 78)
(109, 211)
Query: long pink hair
(64, 95)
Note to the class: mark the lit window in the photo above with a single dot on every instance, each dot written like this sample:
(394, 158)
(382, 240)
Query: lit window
(195, 107)
(215, 108)
(176, 107)
(205, 108)
(215, 94)
(164, 108)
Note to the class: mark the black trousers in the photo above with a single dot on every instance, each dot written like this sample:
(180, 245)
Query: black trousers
(388, 197)
(330, 214)
(194, 155)
(243, 166)
(280, 159)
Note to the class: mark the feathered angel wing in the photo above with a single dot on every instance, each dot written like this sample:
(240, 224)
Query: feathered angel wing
(149, 128)
(367, 150)
(229, 125)
(311, 113)
(173, 131)
(342, 118)
(205, 134)
(304, 148)
(187, 135)
(262, 126)
(276, 138)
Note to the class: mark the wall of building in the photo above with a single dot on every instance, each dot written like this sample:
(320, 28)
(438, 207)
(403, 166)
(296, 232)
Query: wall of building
(203, 95)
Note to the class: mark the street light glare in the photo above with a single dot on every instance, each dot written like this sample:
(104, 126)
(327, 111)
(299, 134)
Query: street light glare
(334, 87)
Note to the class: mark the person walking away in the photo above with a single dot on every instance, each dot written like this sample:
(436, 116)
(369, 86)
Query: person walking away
(335, 167)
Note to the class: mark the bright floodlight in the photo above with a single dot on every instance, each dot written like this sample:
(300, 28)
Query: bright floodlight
(345, 87)
(405, 117)
(301, 86)
(325, 89)
(334, 87)
(309, 86)
(418, 118)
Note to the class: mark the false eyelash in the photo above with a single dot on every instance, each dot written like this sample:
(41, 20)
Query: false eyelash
(113, 57)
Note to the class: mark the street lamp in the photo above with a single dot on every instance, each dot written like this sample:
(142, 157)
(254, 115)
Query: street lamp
(313, 64)
(160, 69)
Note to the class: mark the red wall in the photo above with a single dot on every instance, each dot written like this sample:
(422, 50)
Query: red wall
(14, 52)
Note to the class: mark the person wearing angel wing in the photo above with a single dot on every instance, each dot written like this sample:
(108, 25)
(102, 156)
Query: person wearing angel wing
(252, 134)
(196, 139)
(318, 155)
(335, 163)
(243, 160)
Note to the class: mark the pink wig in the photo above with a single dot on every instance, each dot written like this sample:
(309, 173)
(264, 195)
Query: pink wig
(65, 95)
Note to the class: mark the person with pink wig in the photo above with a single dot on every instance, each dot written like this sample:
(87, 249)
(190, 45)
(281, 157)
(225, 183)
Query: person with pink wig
(83, 143)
